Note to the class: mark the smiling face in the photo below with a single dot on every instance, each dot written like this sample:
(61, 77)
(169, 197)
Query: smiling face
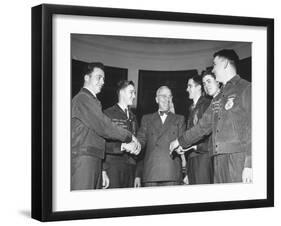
(95, 80)
(193, 89)
(211, 86)
(128, 94)
(163, 98)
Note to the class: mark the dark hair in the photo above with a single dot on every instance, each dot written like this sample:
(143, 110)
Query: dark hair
(207, 72)
(228, 54)
(197, 79)
(123, 84)
(89, 68)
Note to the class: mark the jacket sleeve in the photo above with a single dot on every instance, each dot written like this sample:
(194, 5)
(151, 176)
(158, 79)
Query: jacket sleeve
(181, 126)
(246, 104)
(203, 144)
(91, 115)
(201, 129)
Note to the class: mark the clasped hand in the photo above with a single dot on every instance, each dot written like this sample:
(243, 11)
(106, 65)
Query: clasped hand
(133, 147)
(175, 146)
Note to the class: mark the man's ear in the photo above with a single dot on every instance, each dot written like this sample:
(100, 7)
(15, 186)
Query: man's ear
(86, 78)
(200, 87)
(226, 63)
(121, 91)
(156, 99)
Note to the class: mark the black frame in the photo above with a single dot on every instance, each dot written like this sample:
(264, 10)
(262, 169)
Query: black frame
(42, 111)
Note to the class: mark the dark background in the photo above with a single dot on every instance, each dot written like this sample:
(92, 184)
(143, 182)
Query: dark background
(148, 83)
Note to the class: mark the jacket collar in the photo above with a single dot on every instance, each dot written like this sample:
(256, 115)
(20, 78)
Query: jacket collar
(234, 80)
(120, 109)
(85, 90)
(200, 100)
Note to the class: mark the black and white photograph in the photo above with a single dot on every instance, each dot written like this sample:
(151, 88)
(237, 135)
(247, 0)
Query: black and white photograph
(159, 112)
(144, 112)
(135, 113)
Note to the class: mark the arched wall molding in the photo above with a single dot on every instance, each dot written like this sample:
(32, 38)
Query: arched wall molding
(151, 54)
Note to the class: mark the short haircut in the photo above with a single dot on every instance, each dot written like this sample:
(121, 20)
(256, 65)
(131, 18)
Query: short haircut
(123, 84)
(89, 68)
(230, 55)
(197, 80)
(207, 72)
(162, 87)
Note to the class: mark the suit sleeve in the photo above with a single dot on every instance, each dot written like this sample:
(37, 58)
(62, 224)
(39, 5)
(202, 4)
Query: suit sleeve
(90, 113)
(142, 138)
(142, 133)
(246, 103)
(112, 146)
(196, 133)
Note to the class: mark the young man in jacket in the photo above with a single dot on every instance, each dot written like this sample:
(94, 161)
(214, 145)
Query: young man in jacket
(120, 163)
(89, 129)
(228, 118)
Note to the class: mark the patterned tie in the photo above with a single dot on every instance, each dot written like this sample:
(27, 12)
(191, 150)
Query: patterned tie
(126, 112)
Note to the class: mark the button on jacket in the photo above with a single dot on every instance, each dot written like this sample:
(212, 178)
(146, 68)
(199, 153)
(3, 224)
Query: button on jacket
(155, 137)
(228, 118)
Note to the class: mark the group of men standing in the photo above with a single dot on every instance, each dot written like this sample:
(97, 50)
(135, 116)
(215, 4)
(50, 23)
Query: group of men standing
(214, 146)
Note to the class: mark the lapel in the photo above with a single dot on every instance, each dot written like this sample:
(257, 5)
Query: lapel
(156, 123)
(165, 127)
(119, 109)
(84, 90)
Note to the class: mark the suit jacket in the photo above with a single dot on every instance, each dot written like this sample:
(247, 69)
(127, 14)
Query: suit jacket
(155, 138)
(90, 127)
(195, 114)
(119, 117)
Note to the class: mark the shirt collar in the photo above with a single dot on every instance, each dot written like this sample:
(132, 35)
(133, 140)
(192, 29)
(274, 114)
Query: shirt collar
(218, 91)
(201, 99)
(162, 115)
(122, 107)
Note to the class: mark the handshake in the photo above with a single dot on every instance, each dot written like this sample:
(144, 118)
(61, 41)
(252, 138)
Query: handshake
(133, 147)
(175, 147)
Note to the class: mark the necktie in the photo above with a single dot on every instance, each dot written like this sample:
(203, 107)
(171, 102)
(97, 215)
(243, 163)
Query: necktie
(126, 112)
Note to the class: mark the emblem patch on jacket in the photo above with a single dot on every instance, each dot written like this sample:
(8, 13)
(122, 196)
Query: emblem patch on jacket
(216, 104)
(230, 102)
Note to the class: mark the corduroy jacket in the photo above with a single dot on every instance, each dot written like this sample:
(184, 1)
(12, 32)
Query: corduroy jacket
(90, 127)
(228, 118)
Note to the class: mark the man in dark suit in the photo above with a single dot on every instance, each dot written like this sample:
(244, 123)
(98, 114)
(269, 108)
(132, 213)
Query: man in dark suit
(199, 164)
(156, 132)
(89, 129)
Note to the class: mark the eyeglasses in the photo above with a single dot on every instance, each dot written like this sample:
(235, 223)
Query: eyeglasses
(166, 97)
